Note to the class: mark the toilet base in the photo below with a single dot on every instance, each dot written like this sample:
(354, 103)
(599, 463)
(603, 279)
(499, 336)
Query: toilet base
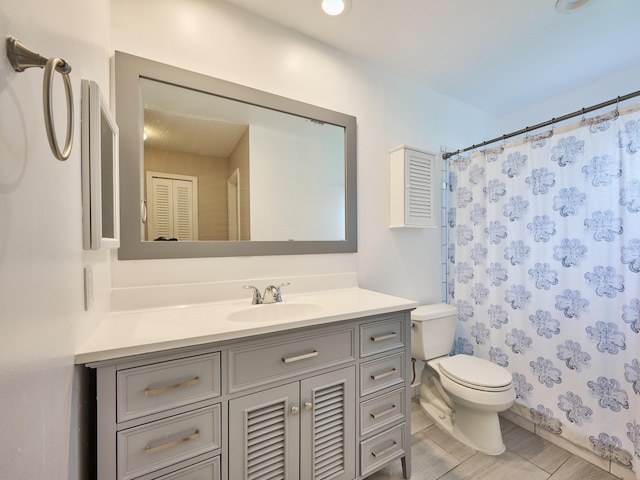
(474, 425)
(480, 430)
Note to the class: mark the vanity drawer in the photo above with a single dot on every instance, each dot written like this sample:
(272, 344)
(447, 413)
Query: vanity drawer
(207, 470)
(382, 336)
(156, 445)
(161, 386)
(382, 373)
(382, 448)
(287, 355)
(382, 411)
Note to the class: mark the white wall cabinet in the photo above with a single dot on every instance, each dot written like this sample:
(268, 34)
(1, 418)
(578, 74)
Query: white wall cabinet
(411, 187)
(100, 181)
(322, 402)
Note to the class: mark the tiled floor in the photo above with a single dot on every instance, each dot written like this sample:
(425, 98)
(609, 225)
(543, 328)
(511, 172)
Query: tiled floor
(438, 456)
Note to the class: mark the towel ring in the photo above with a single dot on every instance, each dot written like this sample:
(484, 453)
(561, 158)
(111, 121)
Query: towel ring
(50, 68)
(22, 58)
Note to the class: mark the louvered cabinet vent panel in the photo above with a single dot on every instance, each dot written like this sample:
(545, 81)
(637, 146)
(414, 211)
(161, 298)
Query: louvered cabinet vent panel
(411, 192)
(163, 216)
(420, 193)
(266, 442)
(184, 211)
(329, 432)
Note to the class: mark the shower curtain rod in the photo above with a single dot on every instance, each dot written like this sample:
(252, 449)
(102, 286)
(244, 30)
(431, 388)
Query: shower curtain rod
(447, 155)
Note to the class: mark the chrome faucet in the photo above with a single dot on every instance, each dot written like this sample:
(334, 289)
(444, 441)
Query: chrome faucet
(257, 298)
(272, 294)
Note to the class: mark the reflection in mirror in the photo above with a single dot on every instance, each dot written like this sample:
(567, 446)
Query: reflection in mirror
(227, 168)
(218, 169)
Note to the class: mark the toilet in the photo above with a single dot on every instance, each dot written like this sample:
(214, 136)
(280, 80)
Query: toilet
(463, 394)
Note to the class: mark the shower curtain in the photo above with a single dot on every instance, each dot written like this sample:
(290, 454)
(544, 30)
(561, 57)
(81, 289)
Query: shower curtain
(544, 269)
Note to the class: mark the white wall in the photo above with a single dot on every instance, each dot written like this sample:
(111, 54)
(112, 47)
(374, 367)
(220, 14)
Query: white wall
(617, 85)
(280, 202)
(41, 259)
(215, 38)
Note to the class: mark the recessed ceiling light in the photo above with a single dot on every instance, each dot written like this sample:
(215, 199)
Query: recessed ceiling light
(568, 6)
(334, 7)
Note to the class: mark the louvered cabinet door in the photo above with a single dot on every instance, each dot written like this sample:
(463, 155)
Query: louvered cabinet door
(264, 435)
(327, 426)
(412, 188)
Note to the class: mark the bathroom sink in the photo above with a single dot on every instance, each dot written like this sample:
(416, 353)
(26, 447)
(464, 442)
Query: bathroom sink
(275, 312)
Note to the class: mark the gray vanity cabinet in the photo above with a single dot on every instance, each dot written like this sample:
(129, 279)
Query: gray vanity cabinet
(328, 402)
(302, 430)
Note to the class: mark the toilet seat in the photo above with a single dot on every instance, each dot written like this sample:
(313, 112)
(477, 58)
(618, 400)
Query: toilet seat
(475, 372)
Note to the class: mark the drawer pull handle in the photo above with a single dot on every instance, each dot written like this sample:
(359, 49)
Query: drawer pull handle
(164, 446)
(167, 388)
(385, 451)
(383, 375)
(384, 337)
(297, 358)
(384, 413)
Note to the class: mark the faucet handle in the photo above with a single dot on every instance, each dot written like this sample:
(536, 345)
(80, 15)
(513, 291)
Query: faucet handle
(278, 296)
(272, 294)
(257, 298)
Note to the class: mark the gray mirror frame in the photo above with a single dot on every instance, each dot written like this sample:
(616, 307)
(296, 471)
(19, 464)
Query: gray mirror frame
(128, 70)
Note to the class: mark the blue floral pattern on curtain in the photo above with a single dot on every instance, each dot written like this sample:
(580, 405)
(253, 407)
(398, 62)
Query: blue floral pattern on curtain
(545, 272)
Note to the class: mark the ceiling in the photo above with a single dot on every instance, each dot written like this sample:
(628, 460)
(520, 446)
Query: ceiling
(498, 55)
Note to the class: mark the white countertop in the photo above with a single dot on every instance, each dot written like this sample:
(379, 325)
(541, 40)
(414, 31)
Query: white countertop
(132, 332)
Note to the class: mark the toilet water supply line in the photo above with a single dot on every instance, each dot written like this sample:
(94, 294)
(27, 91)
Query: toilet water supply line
(22, 58)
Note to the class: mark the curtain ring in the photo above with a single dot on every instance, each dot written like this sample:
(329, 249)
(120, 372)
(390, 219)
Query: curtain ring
(60, 65)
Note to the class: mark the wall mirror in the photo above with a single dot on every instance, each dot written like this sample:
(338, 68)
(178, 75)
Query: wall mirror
(210, 168)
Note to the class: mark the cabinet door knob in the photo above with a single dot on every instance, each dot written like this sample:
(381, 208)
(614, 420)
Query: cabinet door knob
(295, 410)
(308, 405)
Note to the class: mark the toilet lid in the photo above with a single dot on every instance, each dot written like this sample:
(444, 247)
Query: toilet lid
(475, 372)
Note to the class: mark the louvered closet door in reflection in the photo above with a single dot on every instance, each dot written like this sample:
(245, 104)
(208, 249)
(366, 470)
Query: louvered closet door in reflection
(327, 426)
(173, 209)
(264, 435)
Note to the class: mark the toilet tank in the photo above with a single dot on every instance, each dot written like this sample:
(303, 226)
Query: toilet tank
(433, 328)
